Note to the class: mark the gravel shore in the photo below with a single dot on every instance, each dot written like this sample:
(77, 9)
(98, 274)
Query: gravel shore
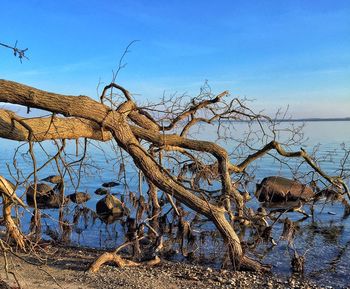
(65, 268)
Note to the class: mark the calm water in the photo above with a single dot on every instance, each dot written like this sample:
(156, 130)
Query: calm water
(325, 240)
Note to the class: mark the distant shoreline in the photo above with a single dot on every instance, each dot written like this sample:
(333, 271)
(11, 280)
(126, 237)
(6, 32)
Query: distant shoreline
(296, 119)
(314, 119)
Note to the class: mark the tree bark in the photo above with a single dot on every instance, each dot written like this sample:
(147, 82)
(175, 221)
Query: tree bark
(14, 127)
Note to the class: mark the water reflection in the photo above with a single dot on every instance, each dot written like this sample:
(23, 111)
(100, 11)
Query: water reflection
(322, 239)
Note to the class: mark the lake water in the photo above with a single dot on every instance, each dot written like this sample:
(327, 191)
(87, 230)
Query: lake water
(324, 239)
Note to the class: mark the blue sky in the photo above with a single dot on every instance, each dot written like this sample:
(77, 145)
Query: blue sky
(279, 53)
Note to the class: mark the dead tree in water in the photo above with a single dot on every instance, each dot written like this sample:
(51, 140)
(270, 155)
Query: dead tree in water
(153, 136)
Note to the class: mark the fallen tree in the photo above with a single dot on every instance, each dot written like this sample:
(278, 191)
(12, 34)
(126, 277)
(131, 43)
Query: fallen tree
(148, 139)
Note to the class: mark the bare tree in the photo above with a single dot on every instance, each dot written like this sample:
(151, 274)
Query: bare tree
(157, 137)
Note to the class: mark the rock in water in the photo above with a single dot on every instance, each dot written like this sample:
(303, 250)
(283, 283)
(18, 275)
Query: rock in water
(110, 184)
(54, 179)
(110, 205)
(46, 198)
(79, 197)
(101, 191)
(279, 189)
(42, 191)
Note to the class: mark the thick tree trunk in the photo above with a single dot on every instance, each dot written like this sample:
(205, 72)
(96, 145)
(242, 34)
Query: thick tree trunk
(16, 128)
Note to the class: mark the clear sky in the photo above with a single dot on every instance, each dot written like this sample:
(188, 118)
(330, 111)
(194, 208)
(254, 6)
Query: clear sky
(291, 52)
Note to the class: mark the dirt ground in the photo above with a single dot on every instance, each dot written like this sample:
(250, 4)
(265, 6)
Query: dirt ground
(66, 268)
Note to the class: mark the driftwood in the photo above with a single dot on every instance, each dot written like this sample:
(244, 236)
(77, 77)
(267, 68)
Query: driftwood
(119, 261)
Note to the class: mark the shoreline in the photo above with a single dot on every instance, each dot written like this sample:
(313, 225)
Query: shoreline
(64, 267)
